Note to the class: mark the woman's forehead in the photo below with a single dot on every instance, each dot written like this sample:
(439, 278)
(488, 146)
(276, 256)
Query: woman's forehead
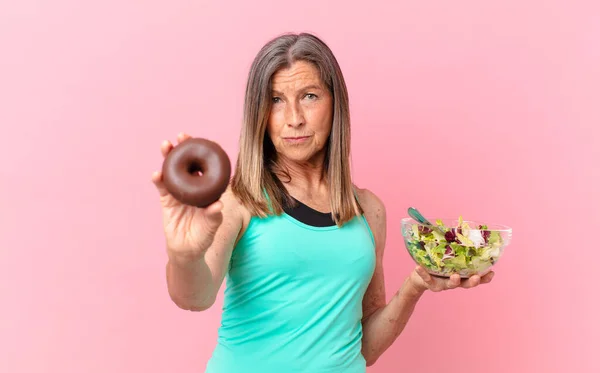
(300, 75)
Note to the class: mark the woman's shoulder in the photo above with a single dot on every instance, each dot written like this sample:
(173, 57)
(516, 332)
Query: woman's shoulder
(369, 200)
(375, 213)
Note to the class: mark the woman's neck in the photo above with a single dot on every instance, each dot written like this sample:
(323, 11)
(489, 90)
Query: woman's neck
(303, 179)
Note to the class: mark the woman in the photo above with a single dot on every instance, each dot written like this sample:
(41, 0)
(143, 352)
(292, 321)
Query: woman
(300, 245)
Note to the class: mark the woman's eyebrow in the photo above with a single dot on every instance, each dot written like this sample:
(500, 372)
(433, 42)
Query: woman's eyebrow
(305, 88)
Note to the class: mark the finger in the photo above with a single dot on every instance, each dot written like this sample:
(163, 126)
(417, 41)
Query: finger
(471, 282)
(165, 147)
(158, 182)
(182, 136)
(424, 274)
(454, 281)
(487, 278)
(213, 216)
(214, 208)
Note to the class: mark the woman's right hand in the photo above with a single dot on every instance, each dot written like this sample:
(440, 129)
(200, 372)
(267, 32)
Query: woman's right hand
(189, 230)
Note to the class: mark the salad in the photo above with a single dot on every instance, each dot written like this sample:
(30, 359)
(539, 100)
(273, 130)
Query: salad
(447, 250)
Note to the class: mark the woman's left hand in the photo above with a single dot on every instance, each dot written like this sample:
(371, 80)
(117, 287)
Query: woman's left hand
(421, 280)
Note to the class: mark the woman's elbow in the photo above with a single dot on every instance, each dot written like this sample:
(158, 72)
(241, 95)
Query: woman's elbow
(371, 361)
(192, 306)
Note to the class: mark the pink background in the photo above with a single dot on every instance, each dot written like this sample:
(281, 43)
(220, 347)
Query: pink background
(489, 109)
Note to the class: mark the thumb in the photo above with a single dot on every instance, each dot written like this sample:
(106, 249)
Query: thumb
(214, 208)
(423, 273)
(214, 216)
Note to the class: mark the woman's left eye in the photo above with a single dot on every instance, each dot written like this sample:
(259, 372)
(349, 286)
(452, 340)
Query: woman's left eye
(311, 96)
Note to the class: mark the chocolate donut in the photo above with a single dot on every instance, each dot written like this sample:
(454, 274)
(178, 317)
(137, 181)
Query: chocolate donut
(182, 164)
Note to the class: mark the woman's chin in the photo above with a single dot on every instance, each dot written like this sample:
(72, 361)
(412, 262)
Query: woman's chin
(304, 157)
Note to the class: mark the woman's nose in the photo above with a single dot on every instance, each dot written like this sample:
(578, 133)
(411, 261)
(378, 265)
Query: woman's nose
(293, 115)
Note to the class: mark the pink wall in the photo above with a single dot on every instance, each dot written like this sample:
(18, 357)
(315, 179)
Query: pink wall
(489, 109)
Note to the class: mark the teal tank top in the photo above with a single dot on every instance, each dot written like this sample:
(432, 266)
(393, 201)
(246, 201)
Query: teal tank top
(293, 298)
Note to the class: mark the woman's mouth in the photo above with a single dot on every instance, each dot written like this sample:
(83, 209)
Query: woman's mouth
(295, 139)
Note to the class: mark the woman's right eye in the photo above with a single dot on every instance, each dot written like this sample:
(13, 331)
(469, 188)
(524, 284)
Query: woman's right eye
(276, 100)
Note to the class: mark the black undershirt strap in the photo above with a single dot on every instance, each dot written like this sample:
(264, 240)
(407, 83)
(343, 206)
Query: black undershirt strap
(309, 216)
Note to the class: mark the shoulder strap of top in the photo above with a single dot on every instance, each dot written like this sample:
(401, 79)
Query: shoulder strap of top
(363, 217)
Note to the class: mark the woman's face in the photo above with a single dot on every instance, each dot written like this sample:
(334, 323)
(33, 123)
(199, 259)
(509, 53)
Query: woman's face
(301, 114)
